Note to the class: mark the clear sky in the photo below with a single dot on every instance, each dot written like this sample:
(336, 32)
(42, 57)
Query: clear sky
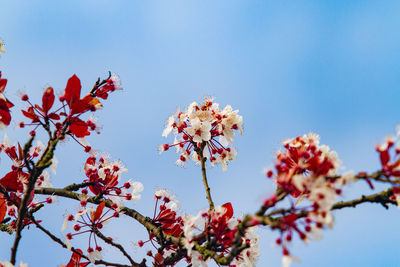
(331, 67)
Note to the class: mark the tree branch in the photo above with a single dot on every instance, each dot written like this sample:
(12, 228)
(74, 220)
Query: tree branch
(203, 171)
(382, 198)
(118, 246)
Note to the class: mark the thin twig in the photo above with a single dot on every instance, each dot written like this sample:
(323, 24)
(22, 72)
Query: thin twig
(118, 246)
(59, 241)
(205, 182)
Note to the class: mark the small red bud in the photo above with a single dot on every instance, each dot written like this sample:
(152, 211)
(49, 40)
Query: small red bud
(24, 97)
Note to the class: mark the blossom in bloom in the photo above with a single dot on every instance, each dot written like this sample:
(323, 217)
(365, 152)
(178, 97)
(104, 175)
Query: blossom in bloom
(204, 130)
(308, 173)
(220, 225)
(105, 176)
(90, 220)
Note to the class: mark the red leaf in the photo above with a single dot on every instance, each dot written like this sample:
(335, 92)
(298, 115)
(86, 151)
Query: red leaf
(30, 114)
(385, 157)
(73, 90)
(75, 260)
(48, 99)
(39, 108)
(96, 215)
(3, 209)
(79, 128)
(12, 180)
(9, 104)
(20, 153)
(159, 259)
(3, 83)
(229, 210)
(54, 116)
(5, 116)
(96, 189)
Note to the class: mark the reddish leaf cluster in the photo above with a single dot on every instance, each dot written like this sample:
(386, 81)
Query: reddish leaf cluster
(72, 107)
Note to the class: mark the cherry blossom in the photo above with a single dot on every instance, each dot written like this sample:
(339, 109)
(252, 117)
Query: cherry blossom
(204, 130)
(90, 220)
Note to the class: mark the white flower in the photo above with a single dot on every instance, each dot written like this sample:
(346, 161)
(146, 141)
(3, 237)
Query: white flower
(229, 122)
(54, 163)
(163, 193)
(44, 180)
(197, 260)
(200, 131)
(190, 224)
(249, 257)
(137, 187)
(168, 126)
(80, 213)
(287, 260)
(94, 255)
(116, 81)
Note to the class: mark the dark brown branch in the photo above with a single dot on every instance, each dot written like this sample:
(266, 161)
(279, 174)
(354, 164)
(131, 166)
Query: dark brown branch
(76, 187)
(382, 198)
(34, 173)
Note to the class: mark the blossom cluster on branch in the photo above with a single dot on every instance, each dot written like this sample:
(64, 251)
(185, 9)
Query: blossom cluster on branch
(306, 174)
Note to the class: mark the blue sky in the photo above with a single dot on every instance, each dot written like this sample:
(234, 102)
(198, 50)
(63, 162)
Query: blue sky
(330, 67)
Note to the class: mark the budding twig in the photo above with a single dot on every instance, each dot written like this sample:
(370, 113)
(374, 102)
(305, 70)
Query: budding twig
(57, 240)
(118, 246)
